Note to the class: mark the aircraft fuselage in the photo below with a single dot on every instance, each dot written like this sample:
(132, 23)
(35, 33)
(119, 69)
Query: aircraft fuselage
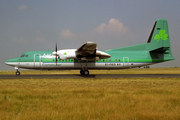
(45, 60)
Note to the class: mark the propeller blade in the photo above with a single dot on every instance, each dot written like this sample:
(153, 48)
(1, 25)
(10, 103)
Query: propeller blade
(56, 47)
(56, 53)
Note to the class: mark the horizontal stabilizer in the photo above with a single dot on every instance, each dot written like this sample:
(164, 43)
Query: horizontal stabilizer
(164, 50)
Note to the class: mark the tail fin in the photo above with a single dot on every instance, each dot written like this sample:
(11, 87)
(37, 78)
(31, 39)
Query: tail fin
(159, 40)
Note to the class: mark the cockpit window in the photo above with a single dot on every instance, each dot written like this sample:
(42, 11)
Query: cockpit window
(26, 55)
(22, 55)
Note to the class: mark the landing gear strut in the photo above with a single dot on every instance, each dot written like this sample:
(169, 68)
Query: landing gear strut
(17, 73)
(83, 71)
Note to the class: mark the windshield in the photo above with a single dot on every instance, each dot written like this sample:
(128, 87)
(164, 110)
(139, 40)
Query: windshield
(22, 55)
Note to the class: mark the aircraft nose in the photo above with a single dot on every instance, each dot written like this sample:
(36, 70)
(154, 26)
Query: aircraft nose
(11, 62)
(7, 62)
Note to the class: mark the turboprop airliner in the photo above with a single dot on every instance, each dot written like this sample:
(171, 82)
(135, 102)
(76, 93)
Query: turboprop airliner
(156, 50)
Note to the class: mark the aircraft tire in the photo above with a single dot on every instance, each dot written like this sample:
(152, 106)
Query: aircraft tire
(82, 72)
(86, 72)
(18, 73)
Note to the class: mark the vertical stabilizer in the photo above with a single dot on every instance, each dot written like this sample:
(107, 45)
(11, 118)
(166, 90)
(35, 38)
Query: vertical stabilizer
(159, 36)
(159, 40)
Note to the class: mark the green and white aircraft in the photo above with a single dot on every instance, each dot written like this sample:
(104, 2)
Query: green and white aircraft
(156, 50)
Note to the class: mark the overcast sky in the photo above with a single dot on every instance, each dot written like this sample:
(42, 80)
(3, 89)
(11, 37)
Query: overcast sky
(33, 25)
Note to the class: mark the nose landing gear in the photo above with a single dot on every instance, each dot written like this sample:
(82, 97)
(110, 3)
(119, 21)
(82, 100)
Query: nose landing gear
(17, 73)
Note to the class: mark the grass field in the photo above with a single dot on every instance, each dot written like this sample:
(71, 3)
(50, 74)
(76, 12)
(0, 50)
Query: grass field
(91, 99)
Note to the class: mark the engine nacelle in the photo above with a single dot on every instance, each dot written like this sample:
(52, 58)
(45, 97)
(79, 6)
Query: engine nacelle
(71, 54)
(66, 54)
(102, 55)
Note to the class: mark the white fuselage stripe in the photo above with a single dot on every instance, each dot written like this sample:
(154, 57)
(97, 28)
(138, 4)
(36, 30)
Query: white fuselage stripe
(72, 65)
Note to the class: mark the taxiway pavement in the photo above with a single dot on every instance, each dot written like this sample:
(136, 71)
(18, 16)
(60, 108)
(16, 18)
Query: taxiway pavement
(60, 76)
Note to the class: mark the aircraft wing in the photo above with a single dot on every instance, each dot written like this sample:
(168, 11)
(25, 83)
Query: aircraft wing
(88, 51)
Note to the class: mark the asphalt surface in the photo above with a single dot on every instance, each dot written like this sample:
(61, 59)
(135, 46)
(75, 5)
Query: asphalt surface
(90, 76)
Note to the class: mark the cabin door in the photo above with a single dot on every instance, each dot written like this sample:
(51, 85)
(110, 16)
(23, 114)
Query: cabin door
(125, 61)
(37, 60)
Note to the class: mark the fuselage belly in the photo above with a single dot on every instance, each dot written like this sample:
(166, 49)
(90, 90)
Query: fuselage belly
(92, 65)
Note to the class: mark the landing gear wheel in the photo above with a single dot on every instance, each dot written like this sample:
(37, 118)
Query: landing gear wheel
(82, 72)
(86, 72)
(17, 73)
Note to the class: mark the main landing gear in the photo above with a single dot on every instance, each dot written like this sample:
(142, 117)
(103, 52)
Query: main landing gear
(83, 71)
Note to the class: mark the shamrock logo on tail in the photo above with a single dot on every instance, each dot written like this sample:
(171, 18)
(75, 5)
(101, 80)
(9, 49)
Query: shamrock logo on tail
(161, 35)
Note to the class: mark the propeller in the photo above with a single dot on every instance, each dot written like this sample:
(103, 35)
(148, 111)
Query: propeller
(56, 53)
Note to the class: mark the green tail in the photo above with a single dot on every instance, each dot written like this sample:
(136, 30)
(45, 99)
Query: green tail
(158, 43)
(159, 36)
(158, 46)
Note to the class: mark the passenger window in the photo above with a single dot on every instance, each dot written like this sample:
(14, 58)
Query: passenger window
(119, 60)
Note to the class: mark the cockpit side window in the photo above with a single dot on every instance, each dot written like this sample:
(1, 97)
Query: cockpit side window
(26, 55)
(22, 55)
